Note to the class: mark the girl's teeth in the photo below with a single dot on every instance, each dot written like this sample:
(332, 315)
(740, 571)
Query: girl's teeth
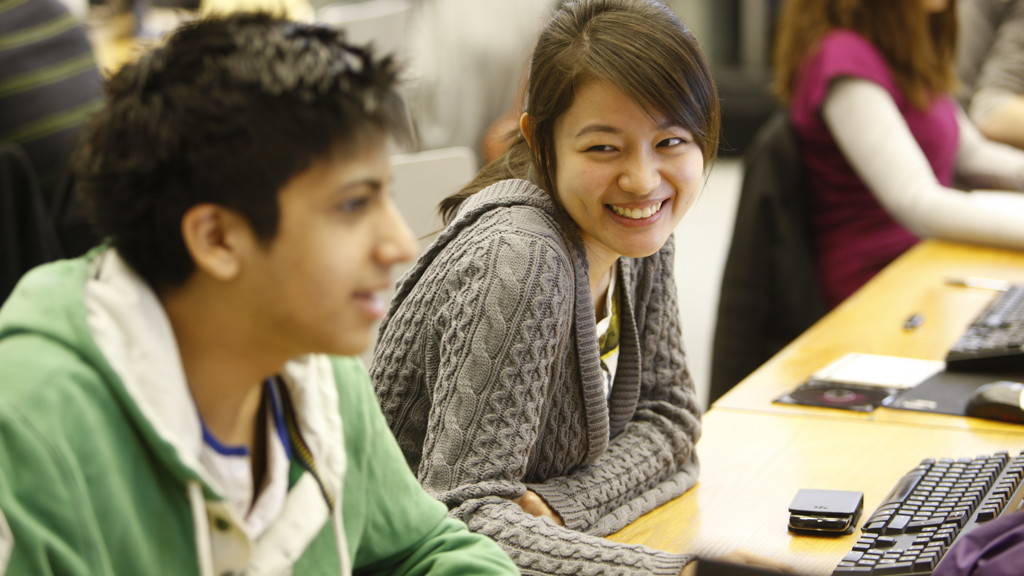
(637, 213)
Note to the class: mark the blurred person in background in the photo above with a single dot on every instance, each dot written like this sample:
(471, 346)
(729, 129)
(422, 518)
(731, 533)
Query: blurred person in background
(990, 66)
(996, 548)
(869, 86)
(49, 86)
(468, 61)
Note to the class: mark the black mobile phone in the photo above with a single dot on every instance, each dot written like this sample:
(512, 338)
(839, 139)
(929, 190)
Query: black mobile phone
(825, 512)
(716, 568)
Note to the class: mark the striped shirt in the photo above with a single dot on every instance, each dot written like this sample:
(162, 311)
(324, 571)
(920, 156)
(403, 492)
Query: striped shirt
(49, 85)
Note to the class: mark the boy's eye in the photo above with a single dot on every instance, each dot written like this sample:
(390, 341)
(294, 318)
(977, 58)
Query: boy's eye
(354, 204)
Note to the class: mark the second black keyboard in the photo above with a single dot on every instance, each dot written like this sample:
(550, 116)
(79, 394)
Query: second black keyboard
(994, 341)
(929, 508)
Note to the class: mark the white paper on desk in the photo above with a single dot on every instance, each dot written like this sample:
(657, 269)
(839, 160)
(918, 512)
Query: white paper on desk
(878, 370)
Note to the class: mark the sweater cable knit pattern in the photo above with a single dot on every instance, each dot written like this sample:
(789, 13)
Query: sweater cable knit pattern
(487, 370)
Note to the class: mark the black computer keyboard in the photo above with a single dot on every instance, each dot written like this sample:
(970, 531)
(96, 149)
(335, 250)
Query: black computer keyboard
(994, 342)
(929, 508)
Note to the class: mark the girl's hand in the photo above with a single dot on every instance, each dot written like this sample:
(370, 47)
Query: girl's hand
(533, 504)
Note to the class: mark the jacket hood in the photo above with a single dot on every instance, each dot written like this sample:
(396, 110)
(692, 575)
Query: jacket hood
(50, 302)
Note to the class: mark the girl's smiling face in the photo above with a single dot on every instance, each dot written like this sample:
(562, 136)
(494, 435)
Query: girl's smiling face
(624, 176)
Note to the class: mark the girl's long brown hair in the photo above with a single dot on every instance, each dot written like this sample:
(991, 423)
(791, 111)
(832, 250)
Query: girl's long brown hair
(919, 48)
(640, 46)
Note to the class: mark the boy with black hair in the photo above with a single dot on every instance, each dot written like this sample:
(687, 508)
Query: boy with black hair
(166, 404)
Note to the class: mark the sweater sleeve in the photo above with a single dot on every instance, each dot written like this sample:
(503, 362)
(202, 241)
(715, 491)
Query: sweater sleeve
(502, 334)
(653, 459)
(875, 140)
(391, 523)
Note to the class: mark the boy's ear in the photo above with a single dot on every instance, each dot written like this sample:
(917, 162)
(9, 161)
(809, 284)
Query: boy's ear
(217, 239)
(526, 128)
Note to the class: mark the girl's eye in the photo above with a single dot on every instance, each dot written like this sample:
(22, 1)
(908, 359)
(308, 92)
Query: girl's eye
(670, 142)
(601, 148)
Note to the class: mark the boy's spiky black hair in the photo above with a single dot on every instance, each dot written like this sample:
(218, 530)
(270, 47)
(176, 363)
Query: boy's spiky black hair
(226, 112)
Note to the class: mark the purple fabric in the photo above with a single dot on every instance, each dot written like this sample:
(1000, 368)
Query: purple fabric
(995, 548)
(854, 236)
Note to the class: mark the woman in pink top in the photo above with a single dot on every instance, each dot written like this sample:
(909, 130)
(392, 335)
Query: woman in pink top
(868, 84)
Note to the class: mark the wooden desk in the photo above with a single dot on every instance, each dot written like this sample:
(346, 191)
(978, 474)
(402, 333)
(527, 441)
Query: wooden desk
(755, 455)
(752, 463)
(871, 321)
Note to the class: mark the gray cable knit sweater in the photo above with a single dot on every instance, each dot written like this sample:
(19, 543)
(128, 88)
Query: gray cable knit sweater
(488, 373)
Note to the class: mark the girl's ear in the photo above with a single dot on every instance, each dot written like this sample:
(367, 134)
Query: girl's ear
(526, 128)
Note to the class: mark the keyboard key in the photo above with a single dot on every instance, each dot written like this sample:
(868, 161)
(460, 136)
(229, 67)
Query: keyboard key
(884, 542)
(897, 568)
(852, 557)
(897, 524)
(874, 527)
(918, 526)
(852, 571)
(958, 518)
(925, 563)
(986, 515)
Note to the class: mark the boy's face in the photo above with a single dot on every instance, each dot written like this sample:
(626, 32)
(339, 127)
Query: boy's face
(319, 282)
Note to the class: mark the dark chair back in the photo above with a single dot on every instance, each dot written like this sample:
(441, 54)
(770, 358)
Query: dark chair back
(75, 233)
(769, 292)
(27, 237)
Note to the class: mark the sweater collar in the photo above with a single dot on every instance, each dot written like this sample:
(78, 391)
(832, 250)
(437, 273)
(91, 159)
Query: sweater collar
(510, 192)
(626, 389)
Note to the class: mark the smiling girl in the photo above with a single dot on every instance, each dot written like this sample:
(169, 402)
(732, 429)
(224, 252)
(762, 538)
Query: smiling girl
(531, 364)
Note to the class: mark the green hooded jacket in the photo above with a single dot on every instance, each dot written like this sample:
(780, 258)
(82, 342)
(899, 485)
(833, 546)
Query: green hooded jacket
(99, 444)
